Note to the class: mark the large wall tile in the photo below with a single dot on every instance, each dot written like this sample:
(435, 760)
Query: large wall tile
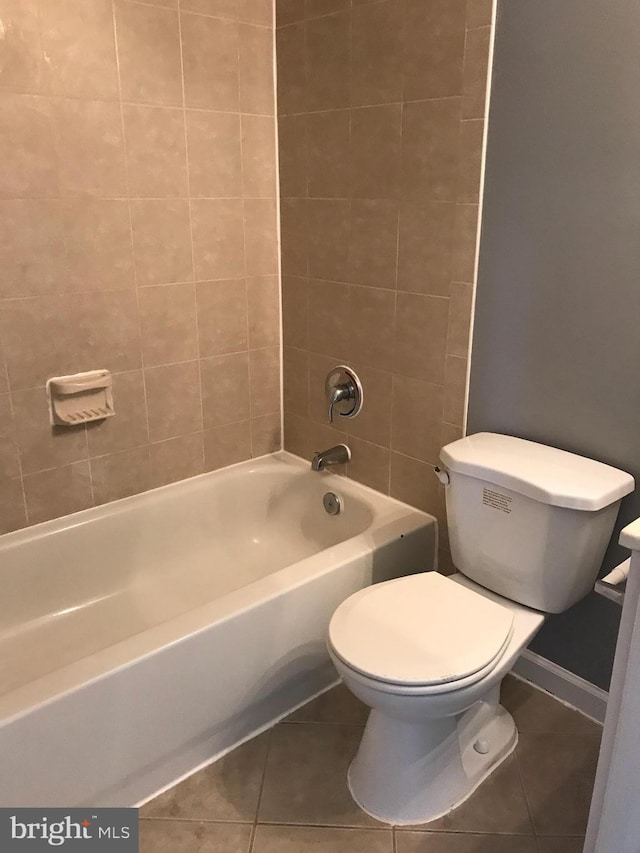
(226, 445)
(373, 423)
(261, 236)
(369, 464)
(213, 142)
(417, 418)
(327, 53)
(476, 61)
(421, 336)
(327, 238)
(376, 137)
(257, 93)
(292, 153)
(292, 75)
(90, 148)
(32, 247)
(176, 459)
(225, 389)
(426, 246)
(429, 149)
(295, 311)
(264, 374)
(371, 315)
(263, 302)
(373, 244)
(259, 179)
(412, 481)
(168, 325)
(13, 513)
(210, 58)
(9, 461)
(119, 475)
(217, 8)
(48, 336)
(222, 316)
(42, 446)
(266, 434)
(28, 164)
(256, 12)
(218, 238)
(434, 48)
(328, 135)
(57, 492)
(173, 400)
(295, 365)
(294, 235)
(149, 54)
(377, 47)
(162, 240)
(156, 151)
(97, 235)
(79, 42)
(23, 67)
(329, 323)
(128, 427)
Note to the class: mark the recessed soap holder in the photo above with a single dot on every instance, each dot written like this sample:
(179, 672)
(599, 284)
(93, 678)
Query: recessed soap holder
(80, 398)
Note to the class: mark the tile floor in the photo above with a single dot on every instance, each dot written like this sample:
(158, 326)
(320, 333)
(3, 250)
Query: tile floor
(285, 791)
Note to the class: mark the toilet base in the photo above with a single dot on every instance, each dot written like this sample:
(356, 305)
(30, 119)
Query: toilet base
(409, 772)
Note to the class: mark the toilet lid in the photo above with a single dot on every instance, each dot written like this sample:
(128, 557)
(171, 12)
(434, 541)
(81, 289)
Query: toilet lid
(421, 629)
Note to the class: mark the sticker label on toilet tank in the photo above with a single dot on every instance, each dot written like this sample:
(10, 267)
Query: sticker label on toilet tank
(496, 500)
(78, 830)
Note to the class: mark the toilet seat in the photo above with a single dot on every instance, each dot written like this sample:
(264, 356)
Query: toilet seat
(420, 634)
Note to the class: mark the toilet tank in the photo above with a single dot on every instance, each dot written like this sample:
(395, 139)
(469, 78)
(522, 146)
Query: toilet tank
(527, 521)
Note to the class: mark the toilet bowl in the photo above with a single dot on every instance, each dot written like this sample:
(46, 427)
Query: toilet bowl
(528, 529)
(427, 653)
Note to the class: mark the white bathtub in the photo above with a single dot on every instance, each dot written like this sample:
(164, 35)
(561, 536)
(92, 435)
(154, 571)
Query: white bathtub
(144, 638)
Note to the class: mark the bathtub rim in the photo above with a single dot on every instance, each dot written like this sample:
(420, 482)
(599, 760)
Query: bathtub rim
(391, 518)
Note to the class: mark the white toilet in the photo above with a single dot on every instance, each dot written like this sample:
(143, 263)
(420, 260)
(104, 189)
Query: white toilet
(528, 527)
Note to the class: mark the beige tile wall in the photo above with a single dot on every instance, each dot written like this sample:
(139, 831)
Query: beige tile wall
(137, 233)
(380, 106)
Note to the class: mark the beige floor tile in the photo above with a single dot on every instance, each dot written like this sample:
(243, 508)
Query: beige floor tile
(558, 772)
(226, 790)
(560, 845)
(306, 776)
(535, 711)
(168, 836)
(304, 839)
(499, 805)
(436, 842)
(337, 705)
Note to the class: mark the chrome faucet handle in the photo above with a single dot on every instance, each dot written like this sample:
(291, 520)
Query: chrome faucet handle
(339, 393)
(344, 392)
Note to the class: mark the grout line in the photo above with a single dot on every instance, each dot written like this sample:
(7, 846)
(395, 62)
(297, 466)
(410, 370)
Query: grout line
(199, 14)
(244, 247)
(133, 251)
(262, 780)
(278, 220)
(193, 260)
(524, 791)
(483, 166)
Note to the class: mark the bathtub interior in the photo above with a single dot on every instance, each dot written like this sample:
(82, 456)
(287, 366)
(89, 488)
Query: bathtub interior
(76, 586)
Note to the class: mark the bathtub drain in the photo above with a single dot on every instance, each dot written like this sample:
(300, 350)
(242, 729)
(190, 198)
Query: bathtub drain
(332, 503)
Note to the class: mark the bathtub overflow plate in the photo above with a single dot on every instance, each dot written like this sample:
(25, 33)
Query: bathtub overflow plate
(332, 503)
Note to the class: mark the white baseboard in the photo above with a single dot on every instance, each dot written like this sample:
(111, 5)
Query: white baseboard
(564, 685)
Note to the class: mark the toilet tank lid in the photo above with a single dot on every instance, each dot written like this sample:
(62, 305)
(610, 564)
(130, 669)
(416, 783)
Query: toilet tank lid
(546, 474)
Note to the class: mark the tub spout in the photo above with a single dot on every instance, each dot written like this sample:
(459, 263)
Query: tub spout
(333, 456)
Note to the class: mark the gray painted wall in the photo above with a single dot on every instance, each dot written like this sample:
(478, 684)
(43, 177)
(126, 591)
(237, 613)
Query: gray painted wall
(556, 345)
